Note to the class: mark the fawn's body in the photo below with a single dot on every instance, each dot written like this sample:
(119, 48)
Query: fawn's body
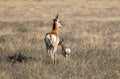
(65, 50)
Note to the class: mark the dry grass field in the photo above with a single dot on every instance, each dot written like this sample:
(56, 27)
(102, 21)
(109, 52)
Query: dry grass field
(91, 28)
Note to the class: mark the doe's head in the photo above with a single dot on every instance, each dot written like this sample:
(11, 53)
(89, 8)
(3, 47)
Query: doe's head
(57, 21)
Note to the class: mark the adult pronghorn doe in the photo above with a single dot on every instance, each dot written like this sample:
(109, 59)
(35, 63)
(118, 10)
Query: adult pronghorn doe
(65, 50)
(52, 39)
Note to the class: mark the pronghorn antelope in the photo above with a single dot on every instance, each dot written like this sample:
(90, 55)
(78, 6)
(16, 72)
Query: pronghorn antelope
(52, 39)
(65, 50)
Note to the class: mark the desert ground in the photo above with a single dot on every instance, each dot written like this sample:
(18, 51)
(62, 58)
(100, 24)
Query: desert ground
(91, 28)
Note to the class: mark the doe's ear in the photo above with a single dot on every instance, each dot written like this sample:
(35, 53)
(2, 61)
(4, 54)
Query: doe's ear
(57, 16)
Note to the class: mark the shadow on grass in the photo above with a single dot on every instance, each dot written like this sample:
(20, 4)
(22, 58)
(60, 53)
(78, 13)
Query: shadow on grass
(18, 57)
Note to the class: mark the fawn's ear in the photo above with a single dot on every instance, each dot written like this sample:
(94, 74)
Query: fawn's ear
(60, 42)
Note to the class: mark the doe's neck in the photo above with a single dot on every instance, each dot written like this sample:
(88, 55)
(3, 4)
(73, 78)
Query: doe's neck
(55, 28)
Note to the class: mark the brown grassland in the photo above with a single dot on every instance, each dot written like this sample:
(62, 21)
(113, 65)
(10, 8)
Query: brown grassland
(91, 28)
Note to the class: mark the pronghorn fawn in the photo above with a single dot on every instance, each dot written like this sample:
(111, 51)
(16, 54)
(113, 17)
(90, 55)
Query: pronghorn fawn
(52, 39)
(65, 50)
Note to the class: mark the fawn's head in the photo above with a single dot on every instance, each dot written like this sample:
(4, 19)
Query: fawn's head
(61, 42)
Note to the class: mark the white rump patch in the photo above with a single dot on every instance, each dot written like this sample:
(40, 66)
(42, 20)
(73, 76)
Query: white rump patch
(51, 39)
(68, 50)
